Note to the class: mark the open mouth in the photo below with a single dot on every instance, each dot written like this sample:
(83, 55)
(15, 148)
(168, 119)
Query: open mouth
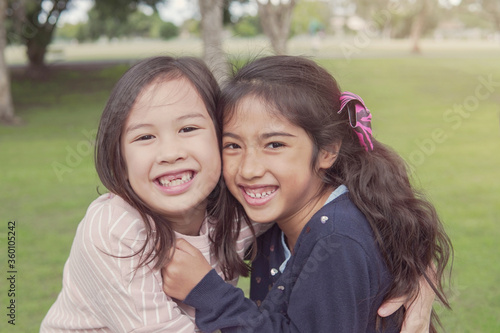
(252, 193)
(258, 196)
(176, 179)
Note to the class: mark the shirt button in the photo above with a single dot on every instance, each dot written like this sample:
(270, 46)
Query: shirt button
(274, 271)
(324, 219)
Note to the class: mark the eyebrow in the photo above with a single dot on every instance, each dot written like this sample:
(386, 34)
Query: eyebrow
(263, 136)
(191, 115)
(184, 117)
(136, 126)
(272, 134)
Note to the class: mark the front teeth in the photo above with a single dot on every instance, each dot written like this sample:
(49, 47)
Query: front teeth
(176, 182)
(259, 195)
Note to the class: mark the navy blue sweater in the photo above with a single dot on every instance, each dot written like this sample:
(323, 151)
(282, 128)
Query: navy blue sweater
(334, 282)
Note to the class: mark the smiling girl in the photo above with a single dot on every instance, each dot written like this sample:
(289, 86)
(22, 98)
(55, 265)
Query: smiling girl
(351, 231)
(157, 153)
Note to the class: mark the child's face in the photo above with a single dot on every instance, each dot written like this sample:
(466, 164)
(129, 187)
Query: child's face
(171, 152)
(267, 165)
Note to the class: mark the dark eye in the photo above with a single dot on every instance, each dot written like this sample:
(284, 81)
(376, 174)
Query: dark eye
(188, 129)
(231, 146)
(275, 145)
(145, 137)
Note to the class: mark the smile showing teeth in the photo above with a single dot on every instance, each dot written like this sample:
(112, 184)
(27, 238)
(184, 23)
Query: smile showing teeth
(169, 181)
(259, 195)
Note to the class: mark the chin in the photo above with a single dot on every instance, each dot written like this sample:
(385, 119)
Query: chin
(260, 219)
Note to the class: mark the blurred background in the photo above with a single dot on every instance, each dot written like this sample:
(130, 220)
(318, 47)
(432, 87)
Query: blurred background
(429, 70)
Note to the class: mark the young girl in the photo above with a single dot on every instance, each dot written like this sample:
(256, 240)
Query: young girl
(157, 152)
(350, 229)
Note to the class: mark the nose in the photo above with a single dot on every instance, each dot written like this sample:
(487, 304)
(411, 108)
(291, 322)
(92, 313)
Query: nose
(170, 151)
(251, 165)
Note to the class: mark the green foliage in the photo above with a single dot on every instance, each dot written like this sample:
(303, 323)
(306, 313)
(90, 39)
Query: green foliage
(192, 27)
(247, 26)
(168, 30)
(69, 31)
(121, 9)
(139, 24)
(310, 13)
(136, 24)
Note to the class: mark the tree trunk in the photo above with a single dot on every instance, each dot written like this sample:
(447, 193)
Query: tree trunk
(493, 8)
(276, 21)
(6, 107)
(211, 30)
(36, 49)
(418, 25)
(38, 42)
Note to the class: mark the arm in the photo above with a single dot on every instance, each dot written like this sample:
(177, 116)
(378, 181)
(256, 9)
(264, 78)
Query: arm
(418, 310)
(319, 301)
(102, 287)
(130, 299)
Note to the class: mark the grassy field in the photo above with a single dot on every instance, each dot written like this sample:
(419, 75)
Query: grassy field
(441, 111)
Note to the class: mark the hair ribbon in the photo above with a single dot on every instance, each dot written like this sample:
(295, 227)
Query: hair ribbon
(359, 118)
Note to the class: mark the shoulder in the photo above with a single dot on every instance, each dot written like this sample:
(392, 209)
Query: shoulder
(342, 221)
(108, 220)
(339, 237)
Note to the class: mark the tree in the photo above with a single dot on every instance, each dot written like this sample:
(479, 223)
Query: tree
(211, 30)
(36, 21)
(418, 24)
(404, 18)
(135, 24)
(6, 107)
(275, 17)
(168, 30)
(488, 9)
(35, 26)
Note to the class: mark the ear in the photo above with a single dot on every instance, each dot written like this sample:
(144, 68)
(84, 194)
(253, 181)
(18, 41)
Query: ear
(328, 156)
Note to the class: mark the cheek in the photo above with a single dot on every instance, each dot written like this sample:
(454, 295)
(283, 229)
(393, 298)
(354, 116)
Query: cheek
(135, 165)
(207, 151)
(229, 167)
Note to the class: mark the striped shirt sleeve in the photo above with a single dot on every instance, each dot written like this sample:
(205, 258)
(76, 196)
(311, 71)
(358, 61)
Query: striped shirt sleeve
(102, 289)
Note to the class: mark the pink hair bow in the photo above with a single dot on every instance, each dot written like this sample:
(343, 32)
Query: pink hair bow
(359, 117)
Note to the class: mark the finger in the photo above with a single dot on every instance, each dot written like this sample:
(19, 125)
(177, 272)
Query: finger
(391, 306)
(417, 320)
(418, 313)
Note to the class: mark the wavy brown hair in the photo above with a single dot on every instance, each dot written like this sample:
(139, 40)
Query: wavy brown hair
(109, 161)
(406, 226)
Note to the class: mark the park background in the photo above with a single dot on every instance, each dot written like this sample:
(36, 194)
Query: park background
(439, 108)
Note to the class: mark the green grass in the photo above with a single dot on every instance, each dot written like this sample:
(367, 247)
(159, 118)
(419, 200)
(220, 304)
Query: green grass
(409, 97)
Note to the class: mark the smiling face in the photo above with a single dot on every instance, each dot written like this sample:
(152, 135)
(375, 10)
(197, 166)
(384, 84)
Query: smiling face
(267, 165)
(170, 148)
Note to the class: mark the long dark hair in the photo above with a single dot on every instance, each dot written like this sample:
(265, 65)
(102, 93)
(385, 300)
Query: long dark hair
(406, 226)
(109, 161)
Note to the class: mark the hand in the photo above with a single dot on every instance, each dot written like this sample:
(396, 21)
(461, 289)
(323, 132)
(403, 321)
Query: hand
(418, 309)
(184, 271)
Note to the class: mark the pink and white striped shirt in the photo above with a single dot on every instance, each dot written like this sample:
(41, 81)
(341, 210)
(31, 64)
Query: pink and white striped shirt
(102, 290)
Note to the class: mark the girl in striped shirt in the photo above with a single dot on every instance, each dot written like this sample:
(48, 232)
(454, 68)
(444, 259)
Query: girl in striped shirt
(157, 152)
